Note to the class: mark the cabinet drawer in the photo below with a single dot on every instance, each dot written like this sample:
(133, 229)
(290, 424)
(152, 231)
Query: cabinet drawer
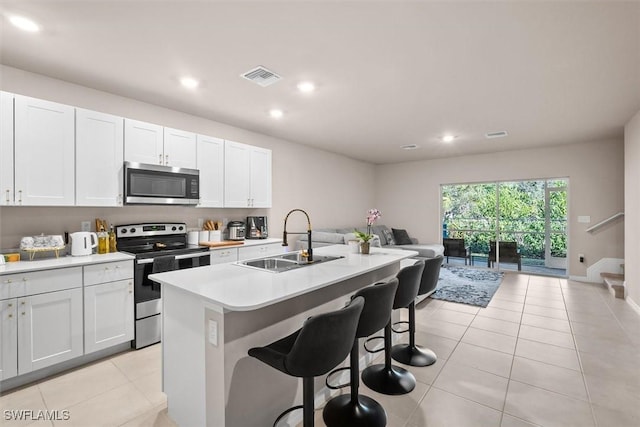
(39, 282)
(222, 256)
(258, 251)
(107, 272)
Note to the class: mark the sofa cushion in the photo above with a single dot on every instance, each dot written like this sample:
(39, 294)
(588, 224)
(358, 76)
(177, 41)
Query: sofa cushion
(327, 237)
(401, 236)
(379, 231)
(388, 235)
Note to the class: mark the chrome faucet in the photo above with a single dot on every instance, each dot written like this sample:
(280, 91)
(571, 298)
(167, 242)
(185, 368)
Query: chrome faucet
(284, 233)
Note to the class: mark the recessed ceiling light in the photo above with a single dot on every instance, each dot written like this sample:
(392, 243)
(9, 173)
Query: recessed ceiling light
(306, 87)
(24, 24)
(409, 147)
(448, 138)
(189, 82)
(275, 113)
(497, 134)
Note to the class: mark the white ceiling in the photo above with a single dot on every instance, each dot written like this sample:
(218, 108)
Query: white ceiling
(389, 73)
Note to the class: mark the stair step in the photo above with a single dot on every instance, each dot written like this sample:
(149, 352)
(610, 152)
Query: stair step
(615, 282)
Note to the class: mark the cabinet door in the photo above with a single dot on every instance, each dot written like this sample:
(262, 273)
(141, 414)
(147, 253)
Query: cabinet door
(258, 251)
(99, 158)
(179, 148)
(236, 175)
(8, 339)
(44, 153)
(223, 256)
(260, 172)
(211, 165)
(6, 149)
(143, 142)
(49, 329)
(108, 315)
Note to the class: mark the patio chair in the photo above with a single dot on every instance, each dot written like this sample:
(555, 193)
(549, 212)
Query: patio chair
(456, 248)
(509, 253)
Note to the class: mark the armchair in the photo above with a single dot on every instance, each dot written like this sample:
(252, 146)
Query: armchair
(509, 252)
(456, 248)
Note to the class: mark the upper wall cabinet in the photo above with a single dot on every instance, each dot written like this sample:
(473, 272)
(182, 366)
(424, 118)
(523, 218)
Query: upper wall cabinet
(99, 158)
(6, 149)
(247, 176)
(157, 145)
(143, 142)
(211, 165)
(179, 148)
(43, 153)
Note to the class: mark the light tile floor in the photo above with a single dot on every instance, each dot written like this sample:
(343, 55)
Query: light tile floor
(545, 352)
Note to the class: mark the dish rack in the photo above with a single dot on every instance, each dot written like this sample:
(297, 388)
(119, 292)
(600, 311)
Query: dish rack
(33, 251)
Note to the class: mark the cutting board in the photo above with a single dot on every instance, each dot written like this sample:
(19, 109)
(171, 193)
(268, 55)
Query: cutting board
(221, 244)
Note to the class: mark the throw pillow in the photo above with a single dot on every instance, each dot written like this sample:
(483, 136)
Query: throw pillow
(401, 236)
(389, 236)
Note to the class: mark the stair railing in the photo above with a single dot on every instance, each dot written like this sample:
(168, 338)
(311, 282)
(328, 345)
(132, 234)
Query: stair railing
(605, 222)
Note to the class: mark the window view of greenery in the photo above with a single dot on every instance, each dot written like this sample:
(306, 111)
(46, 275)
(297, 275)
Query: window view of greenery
(531, 213)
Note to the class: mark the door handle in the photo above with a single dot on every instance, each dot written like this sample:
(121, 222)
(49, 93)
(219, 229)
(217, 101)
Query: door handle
(20, 197)
(159, 159)
(7, 196)
(166, 159)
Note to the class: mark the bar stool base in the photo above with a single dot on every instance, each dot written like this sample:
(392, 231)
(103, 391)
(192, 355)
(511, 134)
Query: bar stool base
(391, 381)
(413, 356)
(342, 411)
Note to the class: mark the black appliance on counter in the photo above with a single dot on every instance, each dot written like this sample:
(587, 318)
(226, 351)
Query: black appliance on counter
(256, 227)
(157, 247)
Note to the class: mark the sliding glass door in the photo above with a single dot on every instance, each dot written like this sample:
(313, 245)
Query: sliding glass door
(515, 225)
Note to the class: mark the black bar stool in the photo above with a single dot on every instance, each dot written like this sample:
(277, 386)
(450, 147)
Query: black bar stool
(355, 410)
(387, 378)
(319, 346)
(410, 354)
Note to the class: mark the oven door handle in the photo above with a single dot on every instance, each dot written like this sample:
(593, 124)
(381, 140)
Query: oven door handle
(178, 257)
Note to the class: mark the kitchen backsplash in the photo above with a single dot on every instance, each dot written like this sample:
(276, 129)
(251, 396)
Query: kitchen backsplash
(17, 222)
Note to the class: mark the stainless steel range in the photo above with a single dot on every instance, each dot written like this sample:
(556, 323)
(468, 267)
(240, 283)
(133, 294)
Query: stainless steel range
(158, 247)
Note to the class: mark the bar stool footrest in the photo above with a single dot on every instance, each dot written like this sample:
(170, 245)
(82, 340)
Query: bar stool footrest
(400, 331)
(282, 415)
(371, 339)
(335, 371)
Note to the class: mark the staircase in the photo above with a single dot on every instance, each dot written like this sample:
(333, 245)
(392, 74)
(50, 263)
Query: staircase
(615, 282)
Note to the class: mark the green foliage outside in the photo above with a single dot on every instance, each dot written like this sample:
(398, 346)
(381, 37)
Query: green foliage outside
(469, 212)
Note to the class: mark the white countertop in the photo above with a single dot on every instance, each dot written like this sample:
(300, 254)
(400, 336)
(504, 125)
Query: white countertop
(62, 262)
(240, 288)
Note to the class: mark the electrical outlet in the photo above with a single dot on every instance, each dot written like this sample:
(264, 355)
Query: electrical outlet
(200, 223)
(581, 257)
(85, 226)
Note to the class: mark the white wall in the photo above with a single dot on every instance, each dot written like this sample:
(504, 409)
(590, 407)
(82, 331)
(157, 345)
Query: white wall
(333, 189)
(408, 194)
(632, 208)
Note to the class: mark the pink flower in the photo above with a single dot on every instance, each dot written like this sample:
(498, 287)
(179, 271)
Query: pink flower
(372, 215)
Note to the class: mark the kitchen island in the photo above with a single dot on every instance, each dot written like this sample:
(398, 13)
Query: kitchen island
(213, 315)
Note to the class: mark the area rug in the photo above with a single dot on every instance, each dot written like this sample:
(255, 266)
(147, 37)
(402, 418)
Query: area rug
(467, 285)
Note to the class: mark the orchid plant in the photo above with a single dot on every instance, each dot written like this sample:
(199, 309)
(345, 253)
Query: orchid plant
(372, 216)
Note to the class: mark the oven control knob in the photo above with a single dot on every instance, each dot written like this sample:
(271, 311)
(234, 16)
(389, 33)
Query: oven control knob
(173, 228)
(133, 230)
(123, 231)
(180, 228)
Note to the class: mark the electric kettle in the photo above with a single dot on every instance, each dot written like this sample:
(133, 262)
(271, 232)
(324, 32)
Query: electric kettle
(83, 242)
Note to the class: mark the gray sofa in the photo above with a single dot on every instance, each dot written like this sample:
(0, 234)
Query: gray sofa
(335, 236)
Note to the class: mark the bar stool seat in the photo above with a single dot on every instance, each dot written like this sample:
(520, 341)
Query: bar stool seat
(410, 354)
(387, 378)
(319, 346)
(356, 410)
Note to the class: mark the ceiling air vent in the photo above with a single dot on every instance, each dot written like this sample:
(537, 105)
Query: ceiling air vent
(498, 134)
(261, 76)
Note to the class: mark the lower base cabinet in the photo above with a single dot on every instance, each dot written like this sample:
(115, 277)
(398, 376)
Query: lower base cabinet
(49, 329)
(108, 315)
(8, 338)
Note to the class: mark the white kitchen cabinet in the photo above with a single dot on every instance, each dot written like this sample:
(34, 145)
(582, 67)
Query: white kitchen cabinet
(210, 163)
(156, 145)
(44, 161)
(143, 142)
(224, 255)
(179, 148)
(99, 158)
(247, 176)
(6, 149)
(8, 339)
(108, 315)
(49, 329)
(259, 251)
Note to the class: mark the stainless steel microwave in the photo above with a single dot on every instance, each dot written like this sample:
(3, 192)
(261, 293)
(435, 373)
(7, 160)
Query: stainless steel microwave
(146, 184)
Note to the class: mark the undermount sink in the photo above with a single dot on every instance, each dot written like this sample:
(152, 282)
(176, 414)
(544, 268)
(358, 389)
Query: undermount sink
(285, 262)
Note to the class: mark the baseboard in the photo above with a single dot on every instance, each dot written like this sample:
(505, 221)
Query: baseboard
(633, 304)
(584, 279)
